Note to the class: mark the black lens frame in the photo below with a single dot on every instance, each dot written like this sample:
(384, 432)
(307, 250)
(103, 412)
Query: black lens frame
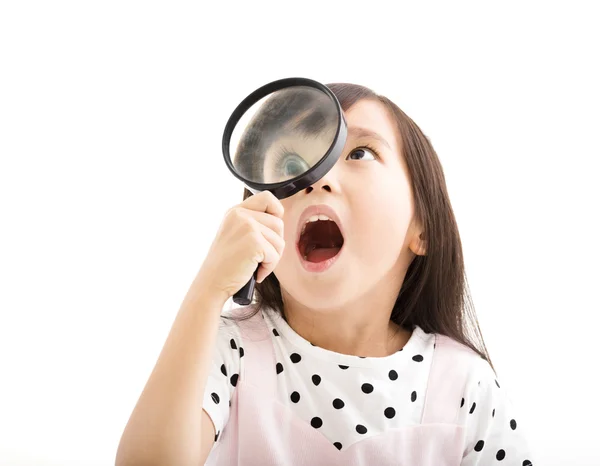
(289, 187)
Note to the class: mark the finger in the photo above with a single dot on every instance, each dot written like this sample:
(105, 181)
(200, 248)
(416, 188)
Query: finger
(270, 260)
(272, 237)
(265, 202)
(265, 219)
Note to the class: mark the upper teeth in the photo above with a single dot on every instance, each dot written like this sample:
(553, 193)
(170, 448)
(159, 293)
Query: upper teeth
(314, 218)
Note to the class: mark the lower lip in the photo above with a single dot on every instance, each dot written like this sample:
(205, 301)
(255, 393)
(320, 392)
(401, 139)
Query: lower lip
(318, 266)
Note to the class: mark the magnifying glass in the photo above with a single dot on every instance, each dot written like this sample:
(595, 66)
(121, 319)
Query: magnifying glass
(282, 138)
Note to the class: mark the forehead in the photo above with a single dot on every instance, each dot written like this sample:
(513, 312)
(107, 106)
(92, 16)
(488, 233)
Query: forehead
(374, 116)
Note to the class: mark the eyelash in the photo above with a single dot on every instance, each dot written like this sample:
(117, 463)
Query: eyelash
(283, 151)
(368, 147)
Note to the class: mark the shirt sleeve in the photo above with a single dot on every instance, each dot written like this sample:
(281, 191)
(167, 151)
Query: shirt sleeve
(223, 375)
(493, 429)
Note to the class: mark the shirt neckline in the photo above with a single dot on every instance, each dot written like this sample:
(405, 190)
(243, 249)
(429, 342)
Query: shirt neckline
(416, 344)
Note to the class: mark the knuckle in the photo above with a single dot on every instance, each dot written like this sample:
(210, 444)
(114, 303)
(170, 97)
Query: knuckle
(259, 256)
(235, 212)
(279, 224)
(256, 236)
(273, 200)
(252, 228)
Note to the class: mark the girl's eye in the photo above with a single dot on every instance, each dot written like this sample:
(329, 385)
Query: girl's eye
(361, 153)
(291, 165)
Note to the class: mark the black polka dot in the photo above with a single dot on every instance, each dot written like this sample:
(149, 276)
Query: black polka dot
(494, 412)
(241, 352)
(361, 429)
(223, 370)
(413, 396)
(279, 368)
(479, 445)
(338, 404)
(393, 375)
(462, 402)
(417, 358)
(434, 346)
(275, 332)
(500, 455)
(362, 357)
(343, 367)
(513, 424)
(312, 344)
(366, 388)
(316, 422)
(230, 403)
(400, 349)
(389, 413)
(316, 379)
(472, 408)
(295, 397)
(338, 445)
(498, 387)
(234, 379)
(232, 343)
(295, 357)
(215, 398)
(527, 463)
(217, 436)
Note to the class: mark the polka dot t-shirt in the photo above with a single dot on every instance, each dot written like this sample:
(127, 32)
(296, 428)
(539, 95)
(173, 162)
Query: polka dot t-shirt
(359, 397)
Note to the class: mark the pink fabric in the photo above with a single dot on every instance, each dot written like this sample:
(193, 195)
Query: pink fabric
(263, 431)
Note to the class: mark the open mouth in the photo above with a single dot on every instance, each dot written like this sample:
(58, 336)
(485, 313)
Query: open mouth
(320, 240)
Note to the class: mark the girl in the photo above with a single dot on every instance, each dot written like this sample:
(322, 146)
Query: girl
(361, 347)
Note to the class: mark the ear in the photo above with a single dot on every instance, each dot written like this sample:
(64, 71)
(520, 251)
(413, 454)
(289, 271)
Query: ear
(418, 245)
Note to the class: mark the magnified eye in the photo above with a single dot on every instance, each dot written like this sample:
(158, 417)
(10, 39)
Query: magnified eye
(294, 166)
(290, 164)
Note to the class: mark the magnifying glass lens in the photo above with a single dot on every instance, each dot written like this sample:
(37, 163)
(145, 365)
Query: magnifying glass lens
(284, 134)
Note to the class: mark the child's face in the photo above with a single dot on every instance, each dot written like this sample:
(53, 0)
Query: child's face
(372, 197)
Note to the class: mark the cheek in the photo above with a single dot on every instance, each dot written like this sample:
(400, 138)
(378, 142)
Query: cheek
(380, 219)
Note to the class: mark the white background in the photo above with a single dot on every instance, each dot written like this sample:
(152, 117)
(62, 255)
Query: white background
(112, 187)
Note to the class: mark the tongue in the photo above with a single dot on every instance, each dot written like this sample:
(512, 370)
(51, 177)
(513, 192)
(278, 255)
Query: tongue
(321, 254)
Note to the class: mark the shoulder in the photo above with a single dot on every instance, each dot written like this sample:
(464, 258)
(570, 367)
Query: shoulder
(492, 422)
(480, 384)
(472, 376)
(457, 356)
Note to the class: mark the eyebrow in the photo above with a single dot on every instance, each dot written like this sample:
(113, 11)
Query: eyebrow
(364, 132)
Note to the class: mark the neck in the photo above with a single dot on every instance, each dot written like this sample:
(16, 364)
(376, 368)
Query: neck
(361, 327)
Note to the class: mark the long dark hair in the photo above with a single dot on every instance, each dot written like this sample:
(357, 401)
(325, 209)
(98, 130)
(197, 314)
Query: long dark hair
(435, 293)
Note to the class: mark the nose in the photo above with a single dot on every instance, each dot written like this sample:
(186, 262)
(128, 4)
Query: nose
(325, 187)
(324, 184)
(329, 182)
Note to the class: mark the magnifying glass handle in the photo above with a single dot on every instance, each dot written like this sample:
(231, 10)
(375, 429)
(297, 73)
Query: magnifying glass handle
(244, 296)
